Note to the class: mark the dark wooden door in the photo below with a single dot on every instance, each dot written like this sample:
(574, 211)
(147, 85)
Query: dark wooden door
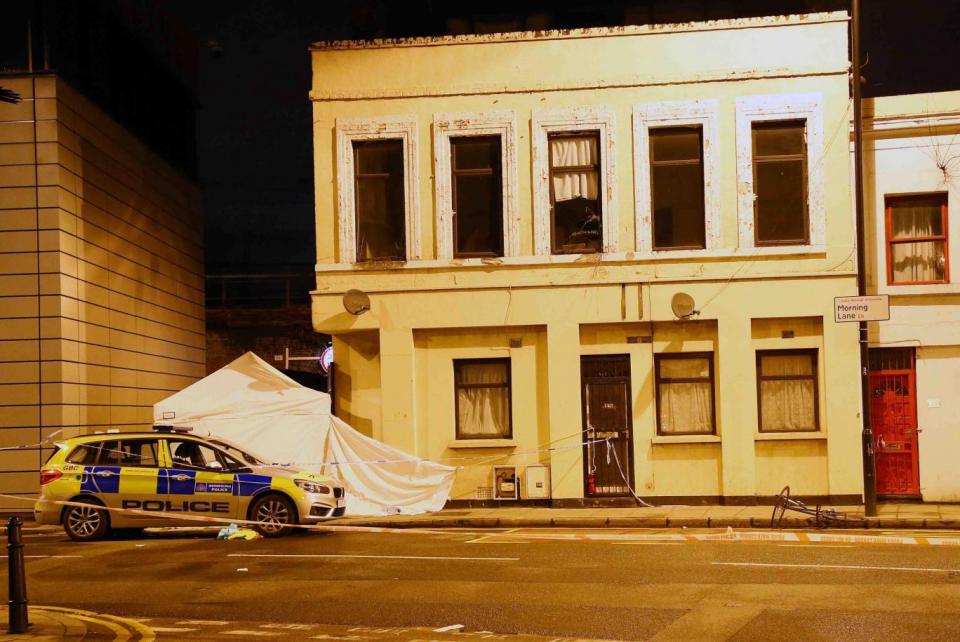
(893, 410)
(607, 425)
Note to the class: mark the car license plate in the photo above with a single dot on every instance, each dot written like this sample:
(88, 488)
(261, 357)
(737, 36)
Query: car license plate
(341, 502)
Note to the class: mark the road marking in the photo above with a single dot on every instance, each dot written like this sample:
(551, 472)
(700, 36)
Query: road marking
(816, 545)
(648, 543)
(451, 627)
(710, 620)
(262, 634)
(205, 622)
(377, 557)
(113, 622)
(288, 627)
(171, 629)
(483, 538)
(841, 566)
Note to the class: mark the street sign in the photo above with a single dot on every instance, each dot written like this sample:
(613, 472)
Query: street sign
(861, 308)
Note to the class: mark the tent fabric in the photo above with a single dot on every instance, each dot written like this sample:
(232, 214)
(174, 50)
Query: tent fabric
(252, 404)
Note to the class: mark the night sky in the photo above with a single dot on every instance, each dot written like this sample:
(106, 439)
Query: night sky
(254, 148)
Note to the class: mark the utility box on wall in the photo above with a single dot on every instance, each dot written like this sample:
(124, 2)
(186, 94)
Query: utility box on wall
(506, 484)
(537, 482)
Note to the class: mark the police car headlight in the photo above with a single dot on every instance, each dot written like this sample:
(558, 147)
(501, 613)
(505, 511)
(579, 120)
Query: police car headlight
(312, 487)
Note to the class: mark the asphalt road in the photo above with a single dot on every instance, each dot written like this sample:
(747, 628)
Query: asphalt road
(519, 582)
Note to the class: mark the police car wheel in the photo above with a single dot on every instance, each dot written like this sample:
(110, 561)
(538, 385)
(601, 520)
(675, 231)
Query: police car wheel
(273, 514)
(85, 523)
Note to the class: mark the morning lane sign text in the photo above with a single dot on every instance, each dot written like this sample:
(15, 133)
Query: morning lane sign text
(861, 308)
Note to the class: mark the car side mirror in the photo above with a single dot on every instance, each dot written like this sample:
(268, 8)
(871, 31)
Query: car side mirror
(215, 465)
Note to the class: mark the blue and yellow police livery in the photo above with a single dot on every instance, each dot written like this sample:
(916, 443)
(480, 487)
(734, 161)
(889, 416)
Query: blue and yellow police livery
(165, 476)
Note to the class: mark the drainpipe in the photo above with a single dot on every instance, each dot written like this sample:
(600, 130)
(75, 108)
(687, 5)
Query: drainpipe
(869, 462)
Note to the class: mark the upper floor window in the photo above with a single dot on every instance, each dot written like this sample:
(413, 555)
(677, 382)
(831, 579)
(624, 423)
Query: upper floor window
(917, 239)
(482, 398)
(378, 200)
(576, 224)
(787, 390)
(477, 196)
(574, 180)
(781, 180)
(780, 183)
(685, 394)
(676, 177)
(381, 222)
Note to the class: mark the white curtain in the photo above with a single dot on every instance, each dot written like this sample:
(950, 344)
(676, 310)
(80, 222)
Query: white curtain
(483, 412)
(787, 404)
(685, 407)
(574, 152)
(922, 260)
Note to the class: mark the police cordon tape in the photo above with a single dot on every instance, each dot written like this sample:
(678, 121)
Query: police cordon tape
(482, 458)
(729, 535)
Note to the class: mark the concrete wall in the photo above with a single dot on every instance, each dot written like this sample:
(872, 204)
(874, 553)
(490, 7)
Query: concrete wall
(428, 310)
(911, 147)
(101, 276)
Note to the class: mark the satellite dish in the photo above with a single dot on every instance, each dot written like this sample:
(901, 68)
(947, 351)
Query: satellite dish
(682, 305)
(356, 302)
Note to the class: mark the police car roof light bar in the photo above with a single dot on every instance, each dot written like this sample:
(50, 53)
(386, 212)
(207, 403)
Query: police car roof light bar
(168, 428)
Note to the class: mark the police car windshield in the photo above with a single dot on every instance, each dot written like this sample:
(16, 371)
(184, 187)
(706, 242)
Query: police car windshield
(238, 452)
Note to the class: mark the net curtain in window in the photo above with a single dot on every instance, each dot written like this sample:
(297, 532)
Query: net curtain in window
(788, 404)
(574, 152)
(483, 411)
(685, 407)
(920, 260)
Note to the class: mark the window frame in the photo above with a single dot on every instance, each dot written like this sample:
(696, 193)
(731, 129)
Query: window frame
(575, 121)
(814, 353)
(758, 108)
(455, 173)
(156, 452)
(654, 163)
(357, 177)
(349, 130)
(890, 241)
(502, 123)
(679, 113)
(756, 161)
(508, 384)
(712, 379)
(595, 134)
(222, 458)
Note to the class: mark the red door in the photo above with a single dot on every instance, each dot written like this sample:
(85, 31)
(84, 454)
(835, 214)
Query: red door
(894, 418)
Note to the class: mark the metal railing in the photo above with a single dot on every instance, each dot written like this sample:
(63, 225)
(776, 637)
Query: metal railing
(253, 291)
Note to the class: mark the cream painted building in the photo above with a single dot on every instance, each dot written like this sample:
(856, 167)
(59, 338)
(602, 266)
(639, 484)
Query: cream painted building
(912, 180)
(522, 211)
(101, 277)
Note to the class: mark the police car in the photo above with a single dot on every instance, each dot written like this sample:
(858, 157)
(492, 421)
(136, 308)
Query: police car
(167, 476)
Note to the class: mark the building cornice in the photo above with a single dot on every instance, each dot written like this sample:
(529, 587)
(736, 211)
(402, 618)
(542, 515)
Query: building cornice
(587, 33)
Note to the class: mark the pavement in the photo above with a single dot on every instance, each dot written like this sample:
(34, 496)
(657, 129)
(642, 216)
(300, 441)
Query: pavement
(913, 516)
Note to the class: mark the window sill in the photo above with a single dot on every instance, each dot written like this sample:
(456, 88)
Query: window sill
(789, 436)
(481, 443)
(685, 439)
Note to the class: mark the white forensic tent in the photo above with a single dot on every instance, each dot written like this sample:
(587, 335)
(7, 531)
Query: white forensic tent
(254, 405)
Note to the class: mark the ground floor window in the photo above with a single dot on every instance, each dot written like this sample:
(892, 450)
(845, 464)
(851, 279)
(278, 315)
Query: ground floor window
(787, 390)
(685, 394)
(482, 398)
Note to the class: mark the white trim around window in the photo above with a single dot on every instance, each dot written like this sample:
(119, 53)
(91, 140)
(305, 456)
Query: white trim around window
(349, 130)
(704, 113)
(807, 107)
(576, 119)
(494, 123)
